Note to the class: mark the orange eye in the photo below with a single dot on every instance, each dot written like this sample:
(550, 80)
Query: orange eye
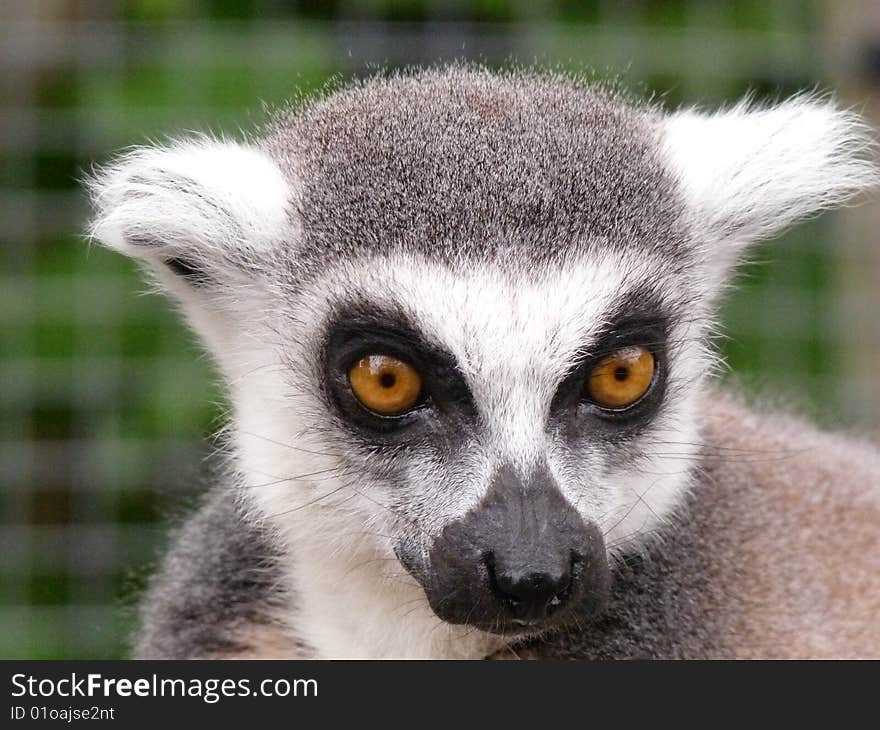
(621, 379)
(384, 384)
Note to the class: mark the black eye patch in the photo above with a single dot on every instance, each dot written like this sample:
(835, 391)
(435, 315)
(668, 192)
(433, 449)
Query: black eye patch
(637, 319)
(360, 331)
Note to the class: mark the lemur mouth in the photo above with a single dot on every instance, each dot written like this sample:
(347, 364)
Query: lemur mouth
(523, 629)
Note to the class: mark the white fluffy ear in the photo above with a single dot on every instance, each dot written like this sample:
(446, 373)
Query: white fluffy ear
(748, 172)
(203, 208)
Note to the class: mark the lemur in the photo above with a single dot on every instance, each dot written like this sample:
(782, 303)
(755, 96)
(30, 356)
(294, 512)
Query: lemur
(465, 321)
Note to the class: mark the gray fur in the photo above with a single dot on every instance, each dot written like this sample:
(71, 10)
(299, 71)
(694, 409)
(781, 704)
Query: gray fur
(462, 162)
(220, 579)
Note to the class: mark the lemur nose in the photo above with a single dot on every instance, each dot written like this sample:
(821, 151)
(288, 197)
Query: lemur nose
(532, 596)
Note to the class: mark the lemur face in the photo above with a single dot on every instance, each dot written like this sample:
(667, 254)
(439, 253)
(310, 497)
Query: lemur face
(510, 425)
(464, 317)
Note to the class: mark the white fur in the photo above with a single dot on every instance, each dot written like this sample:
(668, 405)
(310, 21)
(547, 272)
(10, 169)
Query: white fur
(749, 171)
(219, 204)
(199, 195)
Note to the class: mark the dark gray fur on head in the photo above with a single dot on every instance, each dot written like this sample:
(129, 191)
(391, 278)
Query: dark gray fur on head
(462, 162)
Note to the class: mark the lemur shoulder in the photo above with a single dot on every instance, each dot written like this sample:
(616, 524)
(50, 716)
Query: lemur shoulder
(464, 320)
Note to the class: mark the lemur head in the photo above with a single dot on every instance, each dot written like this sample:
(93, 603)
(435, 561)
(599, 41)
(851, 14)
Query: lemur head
(464, 317)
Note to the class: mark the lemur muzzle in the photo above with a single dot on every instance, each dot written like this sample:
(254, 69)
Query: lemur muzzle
(522, 558)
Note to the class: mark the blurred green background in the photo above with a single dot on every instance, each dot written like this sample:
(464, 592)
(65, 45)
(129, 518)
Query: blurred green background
(107, 406)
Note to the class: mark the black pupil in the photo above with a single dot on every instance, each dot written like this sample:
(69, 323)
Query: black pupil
(387, 380)
(621, 373)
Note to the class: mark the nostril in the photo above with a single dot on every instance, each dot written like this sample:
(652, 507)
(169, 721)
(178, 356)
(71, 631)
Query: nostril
(501, 585)
(489, 562)
(563, 586)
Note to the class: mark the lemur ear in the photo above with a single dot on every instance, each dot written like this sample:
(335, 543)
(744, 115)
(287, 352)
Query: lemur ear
(749, 172)
(201, 209)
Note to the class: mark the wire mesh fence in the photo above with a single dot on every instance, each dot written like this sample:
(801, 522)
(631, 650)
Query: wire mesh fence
(106, 405)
